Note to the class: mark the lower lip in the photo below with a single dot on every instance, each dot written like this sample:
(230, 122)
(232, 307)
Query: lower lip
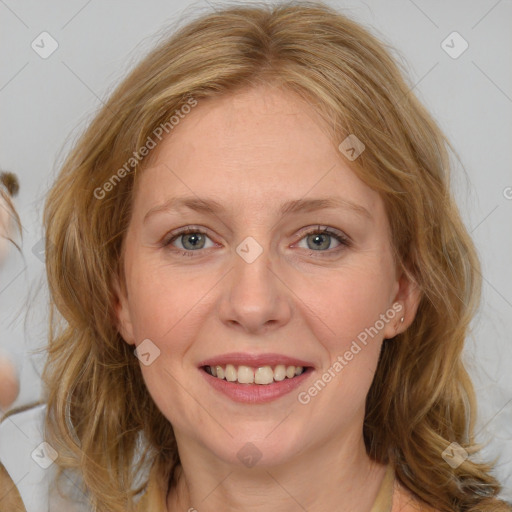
(256, 393)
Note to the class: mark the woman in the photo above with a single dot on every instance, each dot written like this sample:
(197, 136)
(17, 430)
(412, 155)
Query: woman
(261, 284)
(9, 221)
(9, 382)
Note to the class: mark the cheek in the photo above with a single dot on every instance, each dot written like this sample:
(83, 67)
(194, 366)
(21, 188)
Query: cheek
(351, 345)
(347, 314)
(347, 303)
(165, 300)
(167, 307)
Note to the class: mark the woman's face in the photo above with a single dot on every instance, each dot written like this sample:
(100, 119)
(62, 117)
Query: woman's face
(255, 283)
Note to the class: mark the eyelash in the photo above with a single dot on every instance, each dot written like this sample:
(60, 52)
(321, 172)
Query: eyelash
(343, 240)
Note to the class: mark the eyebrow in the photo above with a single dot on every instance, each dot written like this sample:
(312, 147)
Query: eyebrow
(210, 206)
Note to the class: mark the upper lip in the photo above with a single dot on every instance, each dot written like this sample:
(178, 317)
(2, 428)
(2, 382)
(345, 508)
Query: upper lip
(254, 360)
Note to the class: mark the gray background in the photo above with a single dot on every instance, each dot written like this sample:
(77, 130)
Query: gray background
(46, 103)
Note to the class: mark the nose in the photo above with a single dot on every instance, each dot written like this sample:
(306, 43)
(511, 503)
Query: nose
(255, 298)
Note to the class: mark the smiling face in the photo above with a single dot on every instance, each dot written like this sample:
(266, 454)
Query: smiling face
(258, 274)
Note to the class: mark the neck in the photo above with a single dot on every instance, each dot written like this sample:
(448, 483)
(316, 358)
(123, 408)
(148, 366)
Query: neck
(337, 476)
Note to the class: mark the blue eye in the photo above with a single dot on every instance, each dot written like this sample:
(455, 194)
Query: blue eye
(192, 239)
(318, 240)
(322, 238)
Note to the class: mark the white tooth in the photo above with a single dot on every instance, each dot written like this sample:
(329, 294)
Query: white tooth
(290, 372)
(264, 375)
(279, 372)
(245, 375)
(213, 369)
(298, 370)
(220, 372)
(230, 373)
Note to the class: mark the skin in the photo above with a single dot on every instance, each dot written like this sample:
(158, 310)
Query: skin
(252, 151)
(9, 385)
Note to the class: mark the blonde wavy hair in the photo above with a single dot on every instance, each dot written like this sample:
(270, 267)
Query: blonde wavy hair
(100, 417)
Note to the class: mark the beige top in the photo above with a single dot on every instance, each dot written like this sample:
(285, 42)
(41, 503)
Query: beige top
(384, 500)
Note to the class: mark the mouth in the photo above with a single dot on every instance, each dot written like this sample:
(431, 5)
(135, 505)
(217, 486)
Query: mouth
(262, 375)
(255, 379)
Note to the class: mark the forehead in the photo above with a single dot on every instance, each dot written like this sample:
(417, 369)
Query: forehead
(257, 148)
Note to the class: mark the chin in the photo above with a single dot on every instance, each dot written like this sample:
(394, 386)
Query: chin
(259, 449)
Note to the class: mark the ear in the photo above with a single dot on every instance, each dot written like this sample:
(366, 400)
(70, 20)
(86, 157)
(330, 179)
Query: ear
(408, 296)
(122, 312)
